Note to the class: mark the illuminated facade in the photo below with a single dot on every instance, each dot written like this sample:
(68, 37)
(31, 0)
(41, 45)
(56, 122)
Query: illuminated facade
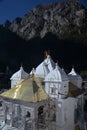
(46, 99)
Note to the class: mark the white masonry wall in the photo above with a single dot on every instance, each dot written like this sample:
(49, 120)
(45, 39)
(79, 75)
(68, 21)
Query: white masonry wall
(65, 114)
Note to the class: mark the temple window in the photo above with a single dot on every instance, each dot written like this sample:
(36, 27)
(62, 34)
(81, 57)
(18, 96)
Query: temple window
(53, 91)
(41, 114)
(28, 114)
(52, 88)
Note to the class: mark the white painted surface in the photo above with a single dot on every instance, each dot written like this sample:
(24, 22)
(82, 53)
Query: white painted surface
(44, 68)
(65, 114)
(56, 82)
(18, 76)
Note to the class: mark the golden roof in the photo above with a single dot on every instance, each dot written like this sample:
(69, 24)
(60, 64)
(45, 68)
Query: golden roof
(30, 90)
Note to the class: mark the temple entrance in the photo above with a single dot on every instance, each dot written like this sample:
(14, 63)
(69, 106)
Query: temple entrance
(41, 117)
(28, 122)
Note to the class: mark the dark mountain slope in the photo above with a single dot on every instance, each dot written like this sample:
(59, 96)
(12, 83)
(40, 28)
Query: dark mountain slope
(63, 19)
(58, 27)
(15, 51)
(11, 47)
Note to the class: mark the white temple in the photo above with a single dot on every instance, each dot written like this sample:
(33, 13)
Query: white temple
(56, 82)
(18, 77)
(44, 68)
(47, 100)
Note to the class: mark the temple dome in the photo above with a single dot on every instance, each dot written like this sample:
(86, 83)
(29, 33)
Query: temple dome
(72, 73)
(75, 78)
(57, 75)
(21, 74)
(49, 62)
(44, 68)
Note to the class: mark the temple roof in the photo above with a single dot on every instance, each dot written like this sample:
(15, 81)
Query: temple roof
(56, 75)
(49, 62)
(74, 75)
(41, 70)
(21, 74)
(30, 90)
(44, 68)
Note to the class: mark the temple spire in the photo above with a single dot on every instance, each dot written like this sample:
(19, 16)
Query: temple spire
(57, 65)
(72, 72)
(32, 75)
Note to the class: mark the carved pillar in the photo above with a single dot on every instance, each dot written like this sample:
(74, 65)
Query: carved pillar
(12, 114)
(23, 122)
(19, 115)
(3, 105)
(23, 114)
(47, 111)
(35, 120)
(6, 112)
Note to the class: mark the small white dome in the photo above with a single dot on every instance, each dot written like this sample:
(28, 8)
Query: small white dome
(21, 74)
(75, 78)
(73, 73)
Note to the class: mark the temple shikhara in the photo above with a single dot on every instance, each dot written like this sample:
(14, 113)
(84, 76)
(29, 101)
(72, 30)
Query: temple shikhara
(45, 99)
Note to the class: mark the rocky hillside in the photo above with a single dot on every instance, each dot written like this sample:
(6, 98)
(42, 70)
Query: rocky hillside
(63, 19)
(58, 27)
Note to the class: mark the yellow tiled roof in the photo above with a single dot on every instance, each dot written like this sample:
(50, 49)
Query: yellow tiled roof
(30, 90)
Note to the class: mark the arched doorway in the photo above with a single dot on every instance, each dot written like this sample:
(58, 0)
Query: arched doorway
(41, 116)
(28, 123)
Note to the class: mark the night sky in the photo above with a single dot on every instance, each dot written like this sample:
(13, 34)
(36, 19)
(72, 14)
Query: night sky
(10, 9)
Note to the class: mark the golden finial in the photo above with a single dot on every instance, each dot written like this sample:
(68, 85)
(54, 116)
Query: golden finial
(47, 53)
